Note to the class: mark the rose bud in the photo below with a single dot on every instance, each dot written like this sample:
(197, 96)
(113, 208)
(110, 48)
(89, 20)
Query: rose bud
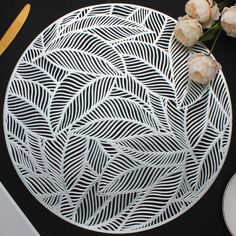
(202, 68)
(188, 31)
(228, 21)
(204, 11)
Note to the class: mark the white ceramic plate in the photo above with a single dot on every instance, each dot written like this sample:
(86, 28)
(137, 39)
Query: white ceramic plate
(229, 205)
(12, 219)
(104, 127)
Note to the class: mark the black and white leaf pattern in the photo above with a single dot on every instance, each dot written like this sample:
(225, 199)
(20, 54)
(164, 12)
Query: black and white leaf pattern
(103, 125)
(34, 73)
(200, 155)
(30, 115)
(116, 110)
(97, 156)
(74, 155)
(154, 79)
(68, 112)
(72, 48)
(195, 124)
(66, 91)
(107, 27)
(156, 57)
(160, 195)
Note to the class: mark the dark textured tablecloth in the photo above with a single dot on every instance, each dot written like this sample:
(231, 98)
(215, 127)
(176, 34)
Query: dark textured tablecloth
(205, 218)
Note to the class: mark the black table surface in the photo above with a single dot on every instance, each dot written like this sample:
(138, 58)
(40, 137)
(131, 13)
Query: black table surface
(205, 218)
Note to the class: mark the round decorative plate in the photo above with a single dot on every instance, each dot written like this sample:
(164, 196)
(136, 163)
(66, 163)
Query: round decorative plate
(229, 205)
(104, 127)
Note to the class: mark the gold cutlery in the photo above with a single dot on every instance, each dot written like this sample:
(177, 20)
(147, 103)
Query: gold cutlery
(13, 30)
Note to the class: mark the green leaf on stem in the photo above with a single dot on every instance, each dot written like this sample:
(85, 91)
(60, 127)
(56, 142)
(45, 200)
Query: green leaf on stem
(211, 33)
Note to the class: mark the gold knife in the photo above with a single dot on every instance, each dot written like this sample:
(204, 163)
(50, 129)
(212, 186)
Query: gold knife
(14, 28)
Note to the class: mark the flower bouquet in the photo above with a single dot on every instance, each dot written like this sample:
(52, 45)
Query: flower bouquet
(204, 21)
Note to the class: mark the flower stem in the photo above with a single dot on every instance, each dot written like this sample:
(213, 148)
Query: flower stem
(214, 43)
(226, 3)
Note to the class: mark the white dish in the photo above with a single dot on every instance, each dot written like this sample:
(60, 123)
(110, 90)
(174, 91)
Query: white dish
(103, 126)
(12, 219)
(229, 205)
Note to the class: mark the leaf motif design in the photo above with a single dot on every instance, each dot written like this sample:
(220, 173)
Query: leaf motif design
(31, 116)
(162, 143)
(187, 92)
(158, 159)
(35, 145)
(14, 128)
(118, 108)
(107, 27)
(100, 10)
(44, 185)
(97, 156)
(17, 138)
(199, 154)
(152, 78)
(31, 54)
(66, 91)
(199, 48)
(57, 73)
(139, 15)
(85, 47)
(155, 56)
(209, 165)
(159, 107)
(155, 22)
(66, 207)
(109, 148)
(33, 73)
(21, 156)
(131, 89)
(179, 57)
(196, 123)
(114, 129)
(71, 111)
(73, 17)
(28, 90)
(52, 200)
(91, 201)
(159, 195)
(123, 11)
(226, 138)
(53, 152)
(84, 184)
(138, 179)
(104, 126)
(49, 34)
(107, 214)
(73, 160)
(164, 38)
(68, 59)
(219, 104)
(119, 164)
(193, 93)
(176, 119)
(38, 43)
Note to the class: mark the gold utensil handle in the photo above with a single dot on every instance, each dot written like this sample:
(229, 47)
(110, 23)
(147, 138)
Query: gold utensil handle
(14, 28)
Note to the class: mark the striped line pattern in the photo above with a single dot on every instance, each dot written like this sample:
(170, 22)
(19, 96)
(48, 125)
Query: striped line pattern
(104, 127)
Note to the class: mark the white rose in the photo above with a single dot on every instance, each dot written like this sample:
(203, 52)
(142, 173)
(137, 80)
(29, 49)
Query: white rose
(228, 21)
(202, 68)
(188, 31)
(205, 11)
